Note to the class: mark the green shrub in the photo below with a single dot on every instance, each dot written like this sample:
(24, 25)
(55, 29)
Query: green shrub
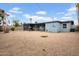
(13, 28)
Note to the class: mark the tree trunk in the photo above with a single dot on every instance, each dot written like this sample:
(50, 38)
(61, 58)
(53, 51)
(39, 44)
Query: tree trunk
(77, 28)
(5, 28)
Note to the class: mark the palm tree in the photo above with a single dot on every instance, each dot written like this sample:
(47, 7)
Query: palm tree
(16, 23)
(77, 6)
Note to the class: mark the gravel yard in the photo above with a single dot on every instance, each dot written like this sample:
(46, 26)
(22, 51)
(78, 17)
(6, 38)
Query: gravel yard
(35, 43)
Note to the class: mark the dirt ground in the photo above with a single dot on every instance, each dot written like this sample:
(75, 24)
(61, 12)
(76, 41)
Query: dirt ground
(25, 43)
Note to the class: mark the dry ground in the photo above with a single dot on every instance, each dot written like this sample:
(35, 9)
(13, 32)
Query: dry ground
(33, 44)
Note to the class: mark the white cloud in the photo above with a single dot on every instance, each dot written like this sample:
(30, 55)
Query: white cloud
(37, 18)
(66, 18)
(10, 15)
(41, 12)
(72, 9)
(68, 15)
(15, 10)
(55, 19)
(27, 15)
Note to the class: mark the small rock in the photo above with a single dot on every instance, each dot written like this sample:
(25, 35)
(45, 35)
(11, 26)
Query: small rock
(44, 50)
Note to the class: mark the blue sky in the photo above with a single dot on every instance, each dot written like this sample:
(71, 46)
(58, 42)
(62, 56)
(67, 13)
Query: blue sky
(40, 12)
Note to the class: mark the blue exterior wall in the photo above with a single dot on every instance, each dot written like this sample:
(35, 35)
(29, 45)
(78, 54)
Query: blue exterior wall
(57, 27)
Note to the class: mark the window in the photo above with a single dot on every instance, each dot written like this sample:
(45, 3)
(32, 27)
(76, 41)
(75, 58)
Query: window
(72, 22)
(2, 11)
(64, 25)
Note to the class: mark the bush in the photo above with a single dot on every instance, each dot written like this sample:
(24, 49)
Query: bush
(13, 28)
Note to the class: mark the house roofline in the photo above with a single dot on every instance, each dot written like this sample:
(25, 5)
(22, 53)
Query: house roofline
(52, 22)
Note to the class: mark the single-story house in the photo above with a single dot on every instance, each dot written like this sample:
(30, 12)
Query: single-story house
(53, 26)
(59, 26)
(34, 27)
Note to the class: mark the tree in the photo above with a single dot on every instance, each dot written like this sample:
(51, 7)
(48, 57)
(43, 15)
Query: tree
(77, 5)
(16, 23)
